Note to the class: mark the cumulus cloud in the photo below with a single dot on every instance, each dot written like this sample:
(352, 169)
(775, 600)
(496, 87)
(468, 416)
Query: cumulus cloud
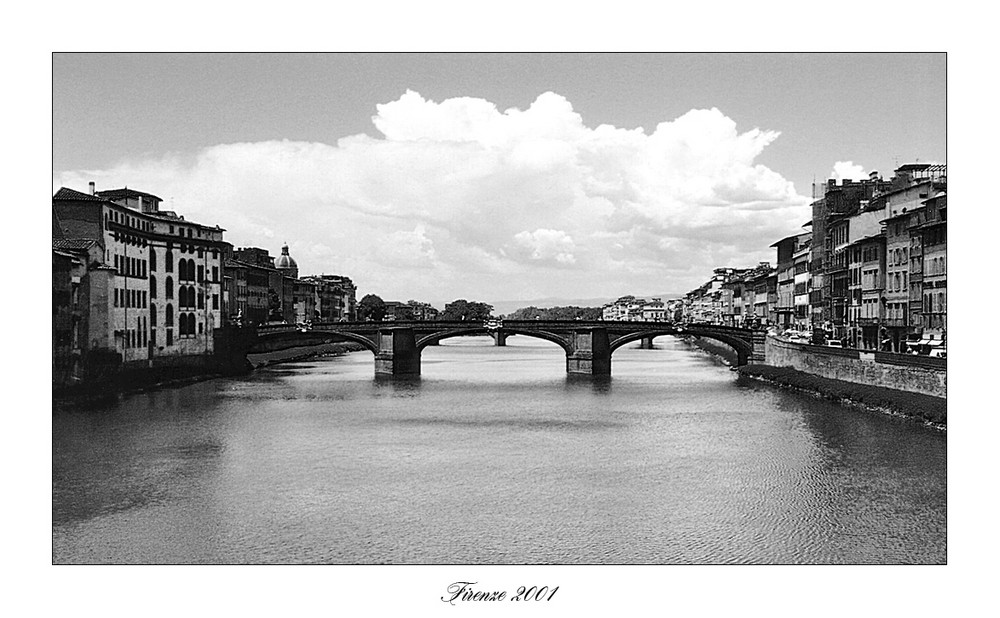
(460, 199)
(547, 245)
(848, 170)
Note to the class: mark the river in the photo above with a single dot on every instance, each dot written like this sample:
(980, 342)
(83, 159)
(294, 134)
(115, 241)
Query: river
(494, 456)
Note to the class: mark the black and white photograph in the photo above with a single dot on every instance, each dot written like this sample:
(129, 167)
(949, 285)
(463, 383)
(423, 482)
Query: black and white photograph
(501, 324)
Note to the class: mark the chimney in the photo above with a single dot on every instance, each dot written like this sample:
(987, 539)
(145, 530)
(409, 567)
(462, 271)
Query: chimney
(93, 188)
(873, 176)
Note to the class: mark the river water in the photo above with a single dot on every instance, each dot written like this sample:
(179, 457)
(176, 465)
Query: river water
(494, 456)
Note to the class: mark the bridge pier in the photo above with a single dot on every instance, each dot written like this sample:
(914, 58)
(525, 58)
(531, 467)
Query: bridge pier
(759, 341)
(591, 353)
(646, 343)
(397, 353)
(500, 338)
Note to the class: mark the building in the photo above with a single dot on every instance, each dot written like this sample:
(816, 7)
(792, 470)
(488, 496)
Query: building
(286, 264)
(152, 280)
(801, 265)
(632, 309)
(654, 311)
(303, 301)
(867, 263)
(69, 326)
(784, 306)
(840, 201)
(336, 298)
(934, 284)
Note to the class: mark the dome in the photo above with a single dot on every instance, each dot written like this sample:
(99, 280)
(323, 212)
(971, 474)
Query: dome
(285, 261)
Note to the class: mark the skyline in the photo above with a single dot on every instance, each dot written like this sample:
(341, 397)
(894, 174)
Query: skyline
(616, 174)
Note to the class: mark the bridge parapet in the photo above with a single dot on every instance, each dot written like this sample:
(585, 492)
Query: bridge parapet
(588, 344)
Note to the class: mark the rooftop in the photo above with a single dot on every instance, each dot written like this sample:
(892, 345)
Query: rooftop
(126, 192)
(74, 243)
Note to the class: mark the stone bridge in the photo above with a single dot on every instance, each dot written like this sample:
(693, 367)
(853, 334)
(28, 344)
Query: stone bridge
(588, 344)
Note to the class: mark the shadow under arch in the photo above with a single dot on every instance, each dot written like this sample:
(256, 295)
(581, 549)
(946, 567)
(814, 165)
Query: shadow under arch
(272, 342)
(742, 348)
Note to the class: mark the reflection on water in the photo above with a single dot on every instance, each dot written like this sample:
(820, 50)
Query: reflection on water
(494, 455)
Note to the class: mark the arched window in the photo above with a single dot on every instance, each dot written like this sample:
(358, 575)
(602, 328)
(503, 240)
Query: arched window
(152, 258)
(152, 286)
(152, 316)
(169, 287)
(169, 260)
(169, 321)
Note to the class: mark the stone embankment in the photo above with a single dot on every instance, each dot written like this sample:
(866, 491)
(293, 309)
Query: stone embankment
(302, 353)
(909, 387)
(925, 409)
(183, 370)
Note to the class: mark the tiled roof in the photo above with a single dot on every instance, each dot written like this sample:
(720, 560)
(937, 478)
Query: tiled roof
(74, 243)
(69, 194)
(126, 192)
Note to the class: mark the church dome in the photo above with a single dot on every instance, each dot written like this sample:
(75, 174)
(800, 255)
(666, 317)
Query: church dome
(285, 261)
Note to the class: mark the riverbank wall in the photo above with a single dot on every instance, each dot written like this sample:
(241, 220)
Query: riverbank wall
(903, 386)
(302, 353)
(713, 347)
(926, 409)
(899, 372)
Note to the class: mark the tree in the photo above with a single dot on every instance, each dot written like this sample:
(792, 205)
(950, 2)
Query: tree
(404, 312)
(371, 307)
(462, 309)
(557, 313)
(274, 306)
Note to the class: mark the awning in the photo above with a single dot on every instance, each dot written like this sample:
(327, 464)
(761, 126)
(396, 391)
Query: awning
(935, 343)
(921, 342)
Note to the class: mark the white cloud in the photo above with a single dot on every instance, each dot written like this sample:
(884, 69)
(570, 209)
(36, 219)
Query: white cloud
(547, 245)
(848, 170)
(460, 199)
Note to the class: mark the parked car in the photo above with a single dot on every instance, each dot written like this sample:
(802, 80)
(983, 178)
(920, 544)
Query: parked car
(939, 353)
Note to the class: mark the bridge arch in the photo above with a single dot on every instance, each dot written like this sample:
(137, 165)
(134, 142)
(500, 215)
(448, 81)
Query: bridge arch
(427, 340)
(295, 338)
(742, 348)
(633, 337)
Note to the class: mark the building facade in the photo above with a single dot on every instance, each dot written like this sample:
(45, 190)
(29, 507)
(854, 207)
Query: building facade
(153, 279)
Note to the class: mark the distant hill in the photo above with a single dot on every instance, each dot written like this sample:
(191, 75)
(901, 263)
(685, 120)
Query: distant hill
(503, 307)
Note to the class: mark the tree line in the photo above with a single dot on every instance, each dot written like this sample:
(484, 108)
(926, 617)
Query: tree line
(373, 308)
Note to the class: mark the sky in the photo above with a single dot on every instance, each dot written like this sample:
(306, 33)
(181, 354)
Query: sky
(496, 177)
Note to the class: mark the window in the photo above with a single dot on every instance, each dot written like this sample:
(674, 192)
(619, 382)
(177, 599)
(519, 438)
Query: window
(215, 274)
(201, 274)
(152, 286)
(169, 259)
(215, 301)
(169, 287)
